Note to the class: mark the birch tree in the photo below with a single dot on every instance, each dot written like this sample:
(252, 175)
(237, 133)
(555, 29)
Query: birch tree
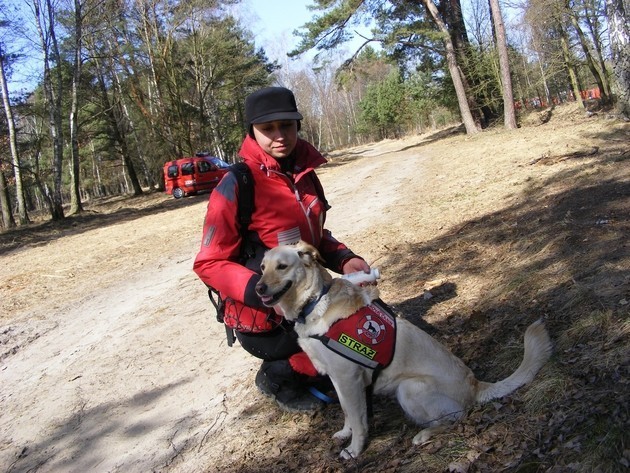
(44, 14)
(15, 158)
(619, 31)
(75, 195)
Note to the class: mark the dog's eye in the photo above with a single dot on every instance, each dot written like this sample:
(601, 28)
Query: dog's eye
(282, 266)
(262, 267)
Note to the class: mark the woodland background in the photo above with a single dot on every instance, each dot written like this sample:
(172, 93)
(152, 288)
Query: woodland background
(126, 85)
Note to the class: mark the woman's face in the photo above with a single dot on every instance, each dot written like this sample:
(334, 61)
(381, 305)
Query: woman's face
(277, 138)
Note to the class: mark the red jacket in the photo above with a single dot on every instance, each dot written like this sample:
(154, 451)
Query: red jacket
(286, 209)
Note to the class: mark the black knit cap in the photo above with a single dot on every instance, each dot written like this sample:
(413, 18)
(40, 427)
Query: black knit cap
(270, 104)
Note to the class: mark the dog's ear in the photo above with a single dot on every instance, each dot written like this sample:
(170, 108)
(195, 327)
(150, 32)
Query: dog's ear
(303, 246)
(307, 257)
(308, 253)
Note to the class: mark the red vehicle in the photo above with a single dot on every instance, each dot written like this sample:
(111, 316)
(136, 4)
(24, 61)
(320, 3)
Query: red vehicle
(187, 176)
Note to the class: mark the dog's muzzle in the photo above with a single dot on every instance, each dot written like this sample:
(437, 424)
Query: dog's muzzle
(270, 300)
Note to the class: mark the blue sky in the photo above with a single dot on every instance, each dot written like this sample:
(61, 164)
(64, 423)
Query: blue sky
(278, 17)
(273, 23)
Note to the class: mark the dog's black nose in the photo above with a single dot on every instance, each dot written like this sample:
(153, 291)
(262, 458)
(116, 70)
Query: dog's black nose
(261, 288)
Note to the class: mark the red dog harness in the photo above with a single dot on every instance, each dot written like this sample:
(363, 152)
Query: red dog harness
(367, 337)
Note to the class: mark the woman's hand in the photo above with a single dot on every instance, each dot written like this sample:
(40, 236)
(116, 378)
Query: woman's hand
(354, 265)
(357, 265)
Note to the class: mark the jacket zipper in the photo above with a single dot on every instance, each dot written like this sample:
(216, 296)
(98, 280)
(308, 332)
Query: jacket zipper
(305, 211)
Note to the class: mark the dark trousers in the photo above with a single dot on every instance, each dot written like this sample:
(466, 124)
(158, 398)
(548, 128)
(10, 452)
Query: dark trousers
(278, 344)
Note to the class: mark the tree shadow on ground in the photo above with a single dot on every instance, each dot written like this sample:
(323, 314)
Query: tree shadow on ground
(561, 253)
(438, 136)
(82, 438)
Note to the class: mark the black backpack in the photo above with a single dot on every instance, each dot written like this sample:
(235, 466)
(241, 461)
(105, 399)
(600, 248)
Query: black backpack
(245, 183)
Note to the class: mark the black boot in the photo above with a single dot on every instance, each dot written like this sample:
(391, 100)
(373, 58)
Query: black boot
(277, 380)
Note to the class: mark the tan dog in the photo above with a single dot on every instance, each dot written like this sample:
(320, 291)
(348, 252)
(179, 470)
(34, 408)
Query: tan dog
(432, 385)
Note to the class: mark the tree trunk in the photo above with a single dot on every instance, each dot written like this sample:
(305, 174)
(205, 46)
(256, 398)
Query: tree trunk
(97, 188)
(620, 45)
(493, 27)
(541, 67)
(5, 203)
(44, 190)
(75, 168)
(592, 21)
(17, 171)
(114, 108)
(595, 72)
(509, 115)
(451, 14)
(120, 111)
(57, 117)
(462, 99)
(149, 33)
(53, 99)
(568, 63)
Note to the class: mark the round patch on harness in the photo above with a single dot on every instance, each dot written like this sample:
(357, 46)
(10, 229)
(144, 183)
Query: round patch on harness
(371, 329)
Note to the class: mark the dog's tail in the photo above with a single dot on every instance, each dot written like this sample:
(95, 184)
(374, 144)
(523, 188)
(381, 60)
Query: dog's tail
(537, 352)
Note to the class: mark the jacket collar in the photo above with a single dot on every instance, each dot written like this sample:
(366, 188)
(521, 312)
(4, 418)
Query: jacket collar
(307, 157)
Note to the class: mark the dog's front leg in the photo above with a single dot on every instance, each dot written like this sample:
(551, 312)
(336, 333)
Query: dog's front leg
(351, 393)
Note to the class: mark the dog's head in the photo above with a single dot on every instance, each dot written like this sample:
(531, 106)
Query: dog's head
(291, 275)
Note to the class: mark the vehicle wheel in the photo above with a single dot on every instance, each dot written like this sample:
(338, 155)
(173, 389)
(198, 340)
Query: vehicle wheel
(178, 193)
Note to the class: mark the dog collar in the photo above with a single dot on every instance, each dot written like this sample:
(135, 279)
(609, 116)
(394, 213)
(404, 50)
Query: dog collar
(310, 305)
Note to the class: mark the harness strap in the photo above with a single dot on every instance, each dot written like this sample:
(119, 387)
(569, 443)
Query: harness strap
(310, 305)
(369, 392)
(342, 350)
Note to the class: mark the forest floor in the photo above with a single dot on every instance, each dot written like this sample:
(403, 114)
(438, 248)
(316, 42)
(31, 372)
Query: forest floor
(111, 359)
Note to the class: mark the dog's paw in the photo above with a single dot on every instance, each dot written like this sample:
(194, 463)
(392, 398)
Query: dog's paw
(422, 437)
(343, 434)
(425, 435)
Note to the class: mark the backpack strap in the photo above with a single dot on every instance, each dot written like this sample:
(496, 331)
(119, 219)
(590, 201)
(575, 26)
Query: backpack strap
(245, 194)
(246, 206)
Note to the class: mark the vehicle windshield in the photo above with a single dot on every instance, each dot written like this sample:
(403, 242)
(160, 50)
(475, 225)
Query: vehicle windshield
(218, 162)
